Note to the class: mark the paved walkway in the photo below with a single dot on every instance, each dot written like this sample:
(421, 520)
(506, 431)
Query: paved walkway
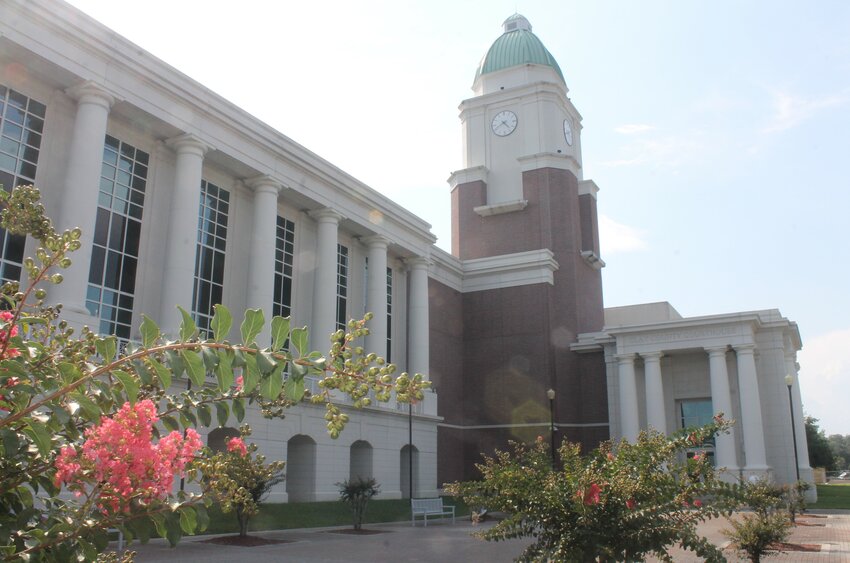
(442, 542)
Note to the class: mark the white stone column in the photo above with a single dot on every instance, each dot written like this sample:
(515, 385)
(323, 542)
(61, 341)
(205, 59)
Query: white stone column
(179, 269)
(725, 450)
(376, 294)
(324, 286)
(656, 413)
(82, 181)
(629, 418)
(263, 241)
(417, 318)
(799, 421)
(754, 450)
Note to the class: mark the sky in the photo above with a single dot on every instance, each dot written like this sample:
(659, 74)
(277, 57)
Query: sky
(715, 131)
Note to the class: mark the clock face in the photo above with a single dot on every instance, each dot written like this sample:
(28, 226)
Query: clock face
(504, 123)
(568, 132)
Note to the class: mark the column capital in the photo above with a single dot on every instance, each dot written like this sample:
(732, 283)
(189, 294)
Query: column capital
(375, 241)
(417, 263)
(744, 348)
(625, 358)
(652, 356)
(716, 351)
(91, 93)
(263, 184)
(188, 143)
(326, 215)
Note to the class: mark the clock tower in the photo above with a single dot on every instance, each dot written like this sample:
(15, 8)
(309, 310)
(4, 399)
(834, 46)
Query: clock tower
(524, 218)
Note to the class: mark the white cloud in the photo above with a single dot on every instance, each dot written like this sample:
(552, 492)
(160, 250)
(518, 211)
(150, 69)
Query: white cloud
(632, 128)
(825, 379)
(789, 110)
(616, 237)
(670, 152)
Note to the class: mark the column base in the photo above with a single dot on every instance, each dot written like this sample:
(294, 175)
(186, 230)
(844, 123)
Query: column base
(756, 473)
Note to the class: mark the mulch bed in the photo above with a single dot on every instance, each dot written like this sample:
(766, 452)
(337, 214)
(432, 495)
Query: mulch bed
(353, 532)
(247, 541)
(795, 546)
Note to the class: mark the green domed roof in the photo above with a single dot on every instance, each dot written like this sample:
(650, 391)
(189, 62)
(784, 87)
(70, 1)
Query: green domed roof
(516, 46)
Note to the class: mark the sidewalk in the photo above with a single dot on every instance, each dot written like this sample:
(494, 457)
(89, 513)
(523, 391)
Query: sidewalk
(443, 542)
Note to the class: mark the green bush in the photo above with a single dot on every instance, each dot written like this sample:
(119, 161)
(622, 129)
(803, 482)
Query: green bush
(769, 523)
(358, 492)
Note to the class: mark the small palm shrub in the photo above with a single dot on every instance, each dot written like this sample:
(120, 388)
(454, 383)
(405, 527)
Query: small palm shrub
(357, 493)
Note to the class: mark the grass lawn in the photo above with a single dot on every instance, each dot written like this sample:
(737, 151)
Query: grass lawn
(282, 516)
(833, 496)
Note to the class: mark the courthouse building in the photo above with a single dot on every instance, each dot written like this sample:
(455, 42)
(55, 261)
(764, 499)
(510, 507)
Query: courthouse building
(185, 199)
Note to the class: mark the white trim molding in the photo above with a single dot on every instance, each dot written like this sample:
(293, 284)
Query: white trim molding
(502, 207)
(509, 270)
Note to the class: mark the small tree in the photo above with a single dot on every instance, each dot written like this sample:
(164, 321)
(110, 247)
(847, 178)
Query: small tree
(238, 479)
(795, 498)
(358, 492)
(756, 534)
(608, 506)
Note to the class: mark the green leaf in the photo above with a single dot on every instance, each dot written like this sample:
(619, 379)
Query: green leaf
(280, 333)
(204, 415)
(298, 371)
(265, 362)
(222, 413)
(70, 372)
(60, 414)
(251, 374)
(142, 371)
(203, 518)
(294, 389)
(106, 348)
(131, 386)
(188, 520)
(194, 367)
(238, 359)
(39, 434)
(252, 325)
(11, 443)
(299, 340)
(158, 519)
(221, 322)
(210, 358)
(170, 423)
(162, 372)
(238, 408)
(224, 371)
(176, 363)
(149, 331)
(272, 384)
(188, 329)
(89, 407)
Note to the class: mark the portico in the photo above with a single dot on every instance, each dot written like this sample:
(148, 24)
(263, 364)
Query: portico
(666, 373)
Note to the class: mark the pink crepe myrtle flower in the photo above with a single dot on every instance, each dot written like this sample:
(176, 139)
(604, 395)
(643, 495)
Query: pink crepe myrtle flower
(6, 334)
(240, 382)
(591, 495)
(237, 445)
(120, 462)
(697, 503)
(630, 504)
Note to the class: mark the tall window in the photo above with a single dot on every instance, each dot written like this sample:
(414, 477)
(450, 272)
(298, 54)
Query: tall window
(697, 412)
(341, 287)
(209, 257)
(115, 252)
(389, 314)
(21, 125)
(283, 258)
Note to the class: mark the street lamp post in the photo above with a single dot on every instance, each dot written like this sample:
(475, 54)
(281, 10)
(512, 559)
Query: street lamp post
(551, 394)
(789, 381)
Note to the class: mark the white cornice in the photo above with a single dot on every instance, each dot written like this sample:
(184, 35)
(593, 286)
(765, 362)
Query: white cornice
(500, 208)
(588, 187)
(467, 175)
(550, 160)
(509, 270)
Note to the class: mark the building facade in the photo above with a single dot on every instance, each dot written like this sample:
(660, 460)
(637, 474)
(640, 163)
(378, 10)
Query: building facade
(184, 199)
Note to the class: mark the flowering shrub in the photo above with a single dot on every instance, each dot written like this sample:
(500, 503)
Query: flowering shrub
(119, 462)
(107, 425)
(755, 534)
(606, 506)
(238, 481)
